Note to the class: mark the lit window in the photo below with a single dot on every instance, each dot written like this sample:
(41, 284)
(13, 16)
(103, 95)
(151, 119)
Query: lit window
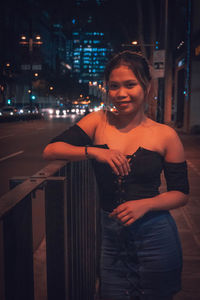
(87, 54)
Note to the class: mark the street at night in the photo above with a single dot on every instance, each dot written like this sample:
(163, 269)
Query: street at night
(111, 208)
(22, 144)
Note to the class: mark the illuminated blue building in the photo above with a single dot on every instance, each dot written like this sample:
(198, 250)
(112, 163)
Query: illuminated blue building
(87, 53)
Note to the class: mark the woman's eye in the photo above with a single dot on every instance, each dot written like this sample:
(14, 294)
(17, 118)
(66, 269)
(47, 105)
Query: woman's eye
(130, 85)
(113, 86)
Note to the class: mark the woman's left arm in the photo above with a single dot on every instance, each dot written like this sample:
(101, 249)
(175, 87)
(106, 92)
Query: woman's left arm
(175, 169)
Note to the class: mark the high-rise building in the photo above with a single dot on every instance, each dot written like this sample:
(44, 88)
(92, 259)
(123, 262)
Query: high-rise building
(87, 53)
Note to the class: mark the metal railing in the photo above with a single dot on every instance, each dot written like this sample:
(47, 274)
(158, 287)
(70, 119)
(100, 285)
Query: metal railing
(69, 223)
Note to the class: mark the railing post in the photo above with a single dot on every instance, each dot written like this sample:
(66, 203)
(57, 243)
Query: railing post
(56, 238)
(82, 226)
(18, 252)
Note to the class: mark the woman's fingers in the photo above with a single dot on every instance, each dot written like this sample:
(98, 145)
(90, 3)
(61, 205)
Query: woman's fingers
(114, 167)
(117, 161)
(121, 164)
(125, 217)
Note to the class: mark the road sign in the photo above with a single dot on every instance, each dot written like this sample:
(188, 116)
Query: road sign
(33, 67)
(25, 67)
(36, 67)
(159, 63)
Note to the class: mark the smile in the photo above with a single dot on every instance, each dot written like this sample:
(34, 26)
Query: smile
(123, 103)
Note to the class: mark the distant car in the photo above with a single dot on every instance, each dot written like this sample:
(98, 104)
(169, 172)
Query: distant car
(8, 111)
(54, 111)
(29, 110)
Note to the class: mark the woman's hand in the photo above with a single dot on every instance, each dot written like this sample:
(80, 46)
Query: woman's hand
(117, 161)
(130, 211)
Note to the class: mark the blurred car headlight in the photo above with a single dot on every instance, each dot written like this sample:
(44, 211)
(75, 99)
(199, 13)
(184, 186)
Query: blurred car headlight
(50, 111)
(64, 112)
(57, 112)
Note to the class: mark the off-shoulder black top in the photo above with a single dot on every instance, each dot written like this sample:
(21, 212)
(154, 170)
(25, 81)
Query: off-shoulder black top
(143, 181)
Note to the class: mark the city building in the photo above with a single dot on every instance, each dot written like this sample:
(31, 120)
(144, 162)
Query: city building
(186, 108)
(87, 54)
(34, 53)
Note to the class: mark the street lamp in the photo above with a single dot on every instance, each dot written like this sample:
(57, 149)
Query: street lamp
(135, 43)
(30, 42)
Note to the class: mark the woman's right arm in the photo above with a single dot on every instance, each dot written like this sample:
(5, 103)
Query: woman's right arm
(66, 147)
(64, 150)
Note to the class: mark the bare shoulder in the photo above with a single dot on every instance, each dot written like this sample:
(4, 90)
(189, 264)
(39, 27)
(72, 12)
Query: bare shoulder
(174, 151)
(90, 122)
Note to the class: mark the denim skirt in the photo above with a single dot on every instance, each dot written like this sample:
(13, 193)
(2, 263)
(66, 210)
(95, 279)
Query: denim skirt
(142, 260)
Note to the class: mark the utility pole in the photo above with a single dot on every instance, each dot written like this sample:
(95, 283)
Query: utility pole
(30, 42)
(168, 69)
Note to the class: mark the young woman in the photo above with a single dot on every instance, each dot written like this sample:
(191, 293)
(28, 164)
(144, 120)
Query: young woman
(141, 253)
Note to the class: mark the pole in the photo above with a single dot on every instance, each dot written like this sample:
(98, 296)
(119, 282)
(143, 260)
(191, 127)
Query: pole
(168, 70)
(30, 48)
(188, 68)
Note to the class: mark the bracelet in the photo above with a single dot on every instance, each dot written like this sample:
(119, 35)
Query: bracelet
(86, 152)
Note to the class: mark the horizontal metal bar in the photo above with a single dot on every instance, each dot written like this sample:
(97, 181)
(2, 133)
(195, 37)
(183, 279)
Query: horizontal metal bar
(50, 169)
(11, 198)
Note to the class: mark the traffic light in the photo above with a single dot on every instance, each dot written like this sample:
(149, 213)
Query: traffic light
(33, 97)
(157, 45)
(9, 101)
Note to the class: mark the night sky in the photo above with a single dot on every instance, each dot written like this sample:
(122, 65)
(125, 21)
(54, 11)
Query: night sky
(119, 19)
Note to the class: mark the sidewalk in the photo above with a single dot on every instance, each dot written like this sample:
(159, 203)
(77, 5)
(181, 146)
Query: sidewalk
(188, 222)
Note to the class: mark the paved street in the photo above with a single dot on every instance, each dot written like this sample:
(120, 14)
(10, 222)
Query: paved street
(188, 221)
(21, 146)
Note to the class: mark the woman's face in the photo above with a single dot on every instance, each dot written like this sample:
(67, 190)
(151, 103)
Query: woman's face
(125, 91)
